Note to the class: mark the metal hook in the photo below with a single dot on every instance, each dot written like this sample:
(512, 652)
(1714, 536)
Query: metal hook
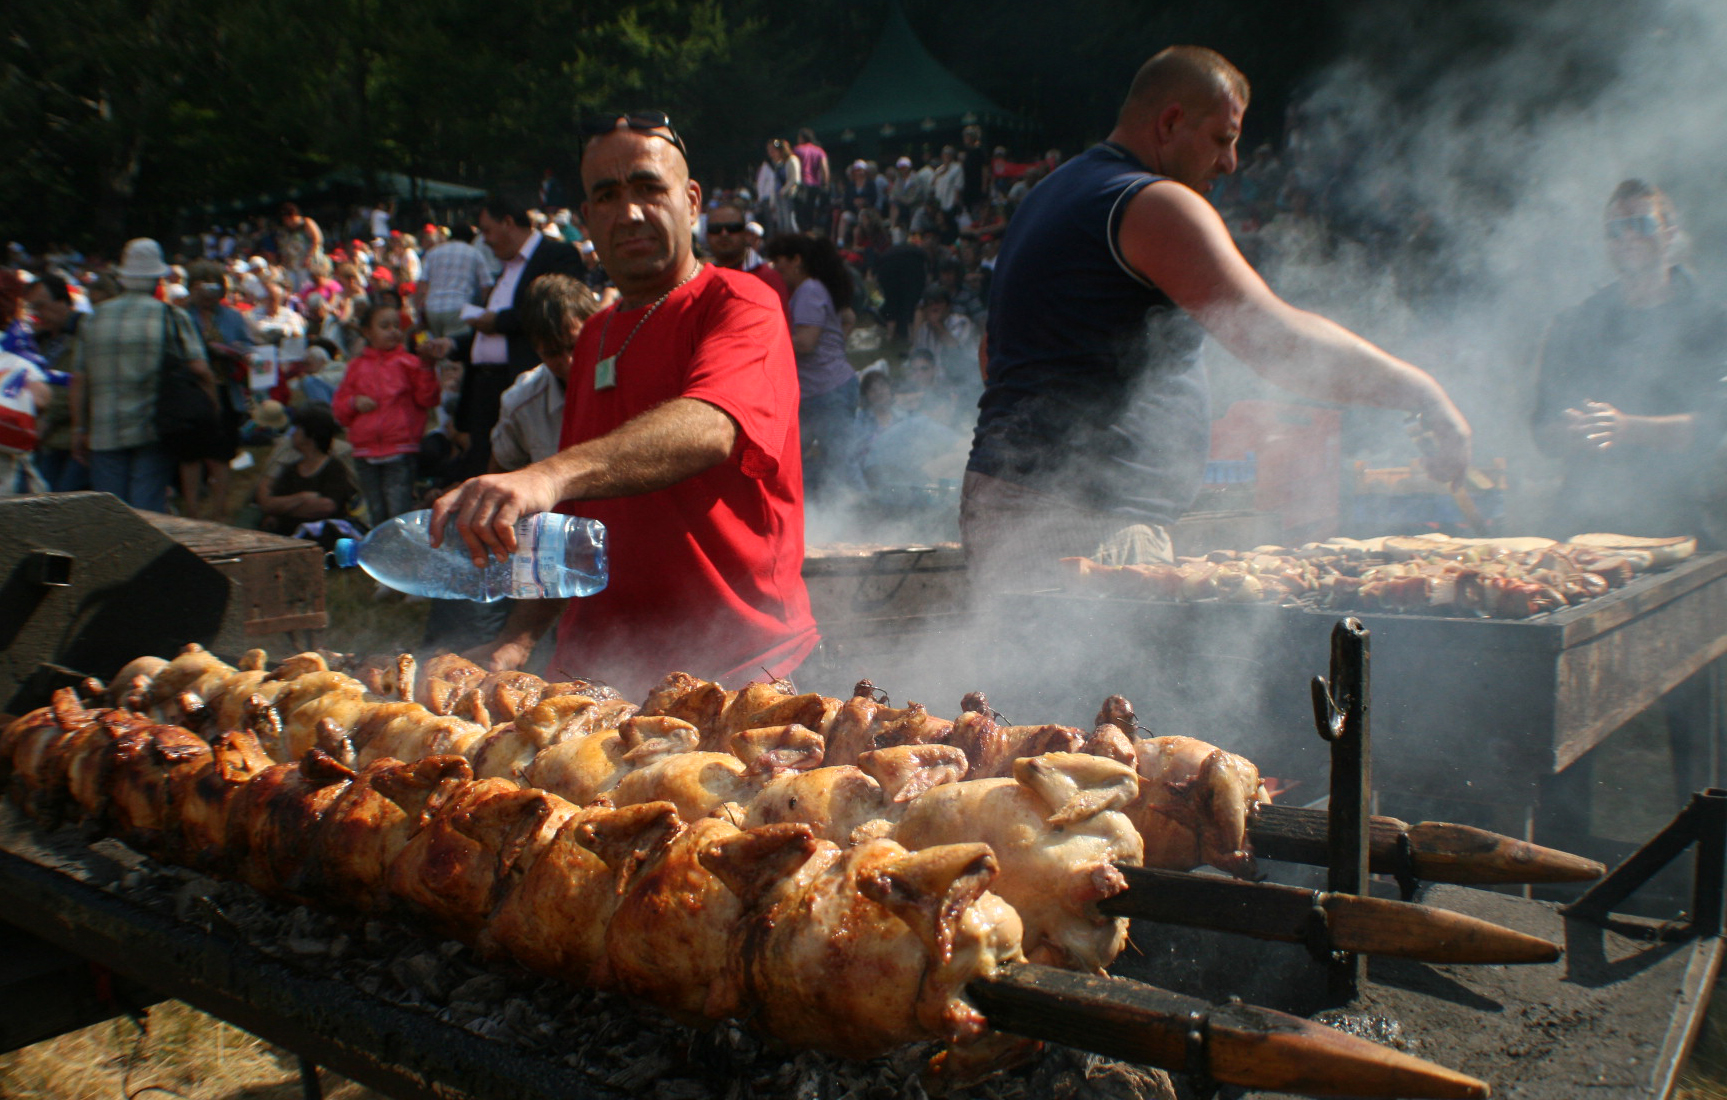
(1327, 713)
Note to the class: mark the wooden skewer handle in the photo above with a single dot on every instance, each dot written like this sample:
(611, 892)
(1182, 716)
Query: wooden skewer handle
(1437, 851)
(1235, 1044)
(1336, 922)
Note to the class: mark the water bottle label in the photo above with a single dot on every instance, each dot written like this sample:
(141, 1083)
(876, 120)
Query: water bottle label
(526, 582)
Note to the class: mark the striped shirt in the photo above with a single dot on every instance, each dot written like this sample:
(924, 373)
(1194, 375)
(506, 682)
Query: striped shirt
(454, 274)
(119, 353)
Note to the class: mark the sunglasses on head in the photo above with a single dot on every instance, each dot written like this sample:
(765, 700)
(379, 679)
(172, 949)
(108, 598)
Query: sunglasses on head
(725, 227)
(1643, 225)
(643, 122)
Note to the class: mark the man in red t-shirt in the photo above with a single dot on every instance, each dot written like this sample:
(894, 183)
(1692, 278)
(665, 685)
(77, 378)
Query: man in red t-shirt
(680, 434)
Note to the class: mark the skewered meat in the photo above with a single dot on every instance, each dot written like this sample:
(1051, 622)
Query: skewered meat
(508, 750)
(853, 950)
(823, 952)
(1185, 816)
(848, 804)
(457, 868)
(1193, 803)
(203, 794)
(1498, 577)
(373, 820)
(1058, 832)
(583, 768)
(142, 787)
(273, 824)
(554, 919)
(680, 695)
(698, 783)
(669, 938)
(992, 747)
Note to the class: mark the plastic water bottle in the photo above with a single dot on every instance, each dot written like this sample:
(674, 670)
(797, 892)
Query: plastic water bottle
(556, 556)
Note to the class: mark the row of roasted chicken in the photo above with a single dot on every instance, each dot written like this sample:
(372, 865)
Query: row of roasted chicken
(1061, 809)
(854, 950)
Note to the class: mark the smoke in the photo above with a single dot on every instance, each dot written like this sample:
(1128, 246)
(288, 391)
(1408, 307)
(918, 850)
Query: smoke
(1472, 148)
(1468, 151)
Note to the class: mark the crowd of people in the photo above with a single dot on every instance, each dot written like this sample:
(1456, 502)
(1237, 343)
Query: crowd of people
(401, 353)
(408, 341)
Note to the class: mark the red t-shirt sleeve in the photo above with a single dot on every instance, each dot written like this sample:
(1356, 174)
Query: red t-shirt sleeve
(743, 364)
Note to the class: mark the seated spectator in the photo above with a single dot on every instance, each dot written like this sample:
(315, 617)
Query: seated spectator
(315, 486)
(322, 374)
(273, 321)
(913, 450)
(322, 282)
(875, 409)
(950, 337)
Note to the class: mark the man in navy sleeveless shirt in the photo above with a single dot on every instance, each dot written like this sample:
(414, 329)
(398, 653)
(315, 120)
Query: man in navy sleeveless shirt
(1094, 426)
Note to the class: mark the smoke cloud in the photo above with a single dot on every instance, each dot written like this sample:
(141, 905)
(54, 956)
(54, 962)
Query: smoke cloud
(1484, 141)
(1479, 142)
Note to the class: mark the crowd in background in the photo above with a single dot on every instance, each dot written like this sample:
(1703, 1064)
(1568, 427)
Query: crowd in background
(884, 267)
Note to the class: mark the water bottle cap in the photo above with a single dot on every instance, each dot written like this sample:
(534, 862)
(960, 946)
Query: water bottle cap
(347, 553)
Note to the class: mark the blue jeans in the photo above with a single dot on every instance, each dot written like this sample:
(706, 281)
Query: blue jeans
(62, 472)
(827, 423)
(140, 476)
(387, 486)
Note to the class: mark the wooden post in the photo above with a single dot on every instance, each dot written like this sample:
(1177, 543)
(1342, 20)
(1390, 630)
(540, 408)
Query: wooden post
(1340, 712)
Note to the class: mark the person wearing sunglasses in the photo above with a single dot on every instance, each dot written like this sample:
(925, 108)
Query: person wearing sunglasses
(1630, 396)
(729, 244)
(680, 434)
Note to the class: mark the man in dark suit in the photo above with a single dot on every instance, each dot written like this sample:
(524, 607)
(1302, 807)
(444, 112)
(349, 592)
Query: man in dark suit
(497, 349)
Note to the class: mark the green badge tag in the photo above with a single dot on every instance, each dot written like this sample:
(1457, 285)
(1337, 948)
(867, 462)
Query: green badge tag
(606, 373)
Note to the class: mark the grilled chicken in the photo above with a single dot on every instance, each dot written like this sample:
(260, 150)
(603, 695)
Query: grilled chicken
(847, 804)
(583, 768)
(991, 748)
(1058, 831)
(669, 938)
(1193, 804)
(273, 819)
(367, 827)
(202, 796)
(916, 926)
(457, 868)
(554, 919)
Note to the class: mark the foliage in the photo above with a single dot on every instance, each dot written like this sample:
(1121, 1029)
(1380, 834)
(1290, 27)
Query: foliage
(128, 116)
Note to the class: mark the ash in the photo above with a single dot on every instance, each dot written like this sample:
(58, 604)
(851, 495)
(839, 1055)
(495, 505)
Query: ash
(1379, 1029)
(623, 1048)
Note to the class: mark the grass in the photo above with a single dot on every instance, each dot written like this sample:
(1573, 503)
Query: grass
(181, 1052)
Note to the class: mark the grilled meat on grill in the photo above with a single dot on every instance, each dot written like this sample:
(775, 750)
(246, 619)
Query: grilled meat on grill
(1058, 831)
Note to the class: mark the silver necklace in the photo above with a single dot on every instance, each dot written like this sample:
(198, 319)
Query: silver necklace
(606, 370)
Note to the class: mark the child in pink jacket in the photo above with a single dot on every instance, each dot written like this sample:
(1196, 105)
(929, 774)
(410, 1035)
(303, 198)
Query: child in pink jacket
(382, 401)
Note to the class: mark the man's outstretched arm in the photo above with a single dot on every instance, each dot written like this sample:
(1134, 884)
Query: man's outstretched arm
(659, 448)
(1174, 238)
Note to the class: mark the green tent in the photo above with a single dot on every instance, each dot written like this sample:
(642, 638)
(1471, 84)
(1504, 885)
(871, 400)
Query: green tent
(904, 93)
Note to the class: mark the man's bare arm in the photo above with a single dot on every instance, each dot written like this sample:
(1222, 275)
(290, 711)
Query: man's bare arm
(658, 449)
(1175, 239)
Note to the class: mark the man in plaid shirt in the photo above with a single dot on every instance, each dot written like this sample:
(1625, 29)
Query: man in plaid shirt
(452, 275)
(116, 365)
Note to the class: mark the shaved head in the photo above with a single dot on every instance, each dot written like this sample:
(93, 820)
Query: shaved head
(1193, 76)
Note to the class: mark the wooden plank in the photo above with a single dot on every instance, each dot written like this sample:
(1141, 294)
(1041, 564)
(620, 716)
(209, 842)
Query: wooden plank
(1611, 677)
(280, 579)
